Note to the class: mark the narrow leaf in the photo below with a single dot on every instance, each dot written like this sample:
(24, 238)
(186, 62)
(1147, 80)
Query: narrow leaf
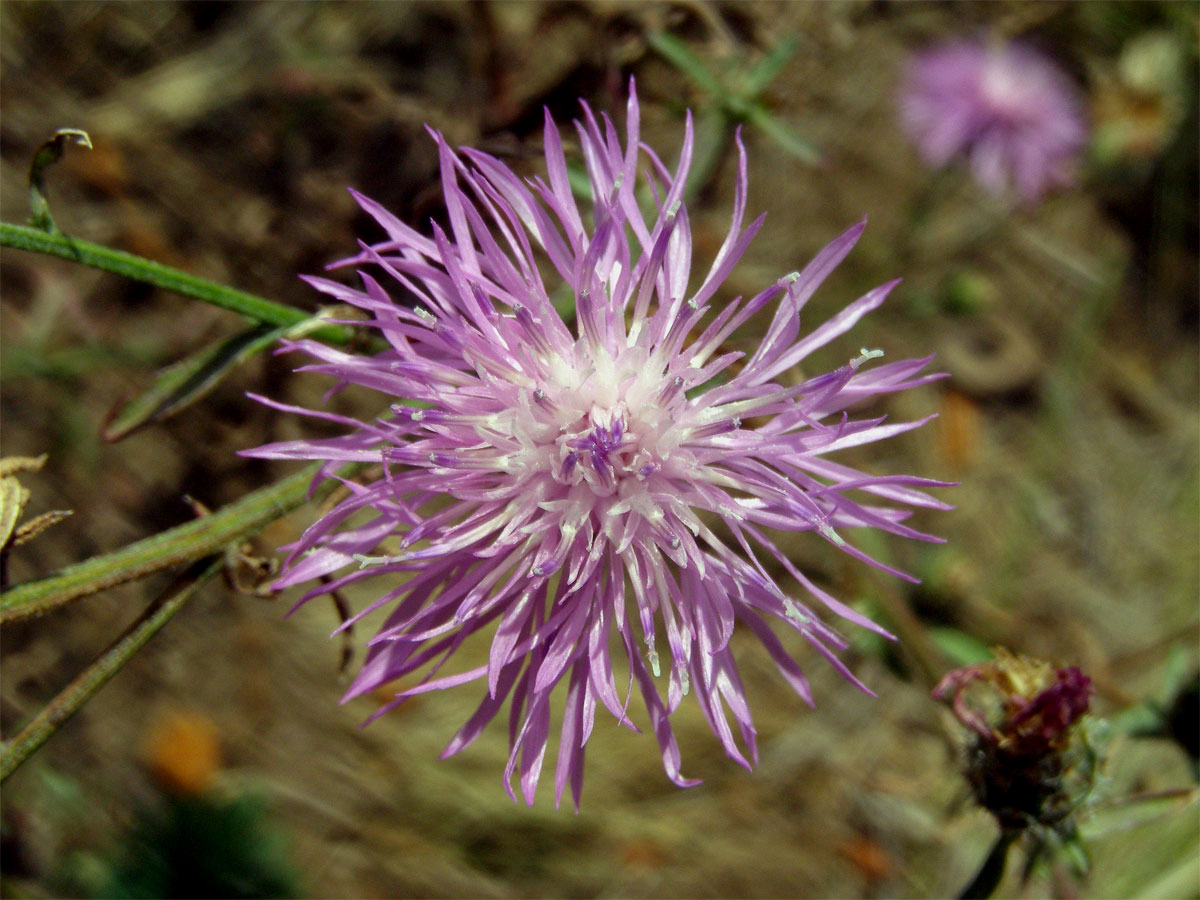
(682, 57)
(797, 146)
(768, 68)
(182, 384)
(14, 497)
(138, 268)
(1138, 810)
(95, 676)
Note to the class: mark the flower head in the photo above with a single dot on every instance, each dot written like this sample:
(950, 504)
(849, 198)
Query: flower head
(1006, 108)
(1030, 762)
(559, 486)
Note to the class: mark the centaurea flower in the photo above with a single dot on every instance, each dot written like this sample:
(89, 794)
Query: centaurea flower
(1031, 760)
(558, 486)
(1005, 107)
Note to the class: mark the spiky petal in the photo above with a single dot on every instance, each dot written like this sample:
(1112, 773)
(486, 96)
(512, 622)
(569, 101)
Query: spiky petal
(554, 486)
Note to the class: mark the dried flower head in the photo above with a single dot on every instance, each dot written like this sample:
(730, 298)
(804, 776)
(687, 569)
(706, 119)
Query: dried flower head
(1007, 109)
(1030, 762)
(562, 486)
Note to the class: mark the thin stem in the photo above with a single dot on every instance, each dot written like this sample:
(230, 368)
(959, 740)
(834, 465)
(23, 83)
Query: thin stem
(95, 676)
(137, 268)
(990, 874)
(184, 543)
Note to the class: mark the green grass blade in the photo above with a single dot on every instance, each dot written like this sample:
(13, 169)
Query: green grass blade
(758, 116)
(183, 383)
(768, 68)
(186, 381)
(682, 57)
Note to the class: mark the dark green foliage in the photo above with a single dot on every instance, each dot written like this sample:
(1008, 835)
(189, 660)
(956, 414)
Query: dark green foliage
(200, 847)
(1183, 720)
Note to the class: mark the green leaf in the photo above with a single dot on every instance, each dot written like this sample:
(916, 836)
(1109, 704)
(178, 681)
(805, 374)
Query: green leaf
(202, 846)
(182, 384)
(714, 133)
(758, 116)
(768, 68)
(681, 56)
(1141, 720)
(1145, 846)
(1076, 854)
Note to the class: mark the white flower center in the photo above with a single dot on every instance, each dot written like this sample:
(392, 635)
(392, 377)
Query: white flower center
(1004, 88)
(606, 424)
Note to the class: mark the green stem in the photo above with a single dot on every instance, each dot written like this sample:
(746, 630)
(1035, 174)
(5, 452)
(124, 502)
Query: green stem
(137, 268)
(79, 691)
(184, 543)
(990, 874)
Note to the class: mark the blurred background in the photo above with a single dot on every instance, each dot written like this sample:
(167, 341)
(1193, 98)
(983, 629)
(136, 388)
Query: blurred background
(225, 134)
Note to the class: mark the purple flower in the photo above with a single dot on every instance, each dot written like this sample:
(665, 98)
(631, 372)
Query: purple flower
(1006, 108)
(559, 486)
(1031, 759)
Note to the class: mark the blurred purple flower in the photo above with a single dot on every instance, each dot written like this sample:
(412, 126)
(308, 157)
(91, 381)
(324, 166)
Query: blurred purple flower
(534, 474)
(1010, 111)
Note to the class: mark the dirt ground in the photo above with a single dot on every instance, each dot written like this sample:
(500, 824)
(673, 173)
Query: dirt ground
(224, 137)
